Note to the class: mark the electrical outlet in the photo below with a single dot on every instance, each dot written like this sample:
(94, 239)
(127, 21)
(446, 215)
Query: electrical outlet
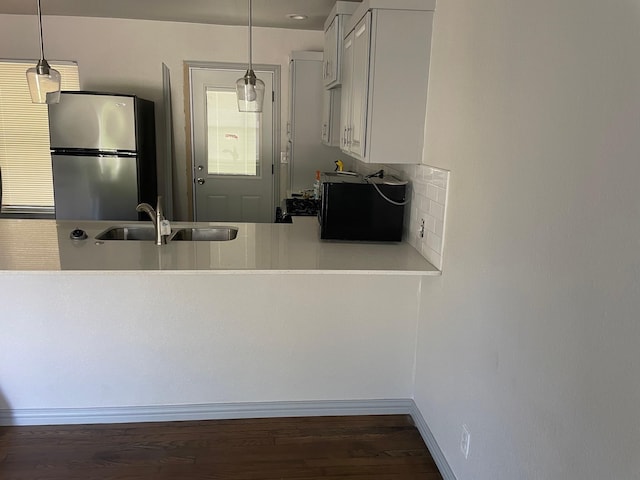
(465, 441)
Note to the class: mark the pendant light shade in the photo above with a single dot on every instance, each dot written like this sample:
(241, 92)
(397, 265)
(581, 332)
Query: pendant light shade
(43, 81)
(250, 92)
(249, 89)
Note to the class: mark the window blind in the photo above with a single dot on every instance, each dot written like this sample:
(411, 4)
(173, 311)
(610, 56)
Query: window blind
(25, 159)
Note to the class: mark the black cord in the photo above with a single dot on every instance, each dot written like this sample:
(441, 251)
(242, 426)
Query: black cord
(379, 174)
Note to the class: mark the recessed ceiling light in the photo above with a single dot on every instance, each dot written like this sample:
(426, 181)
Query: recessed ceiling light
(296, 16)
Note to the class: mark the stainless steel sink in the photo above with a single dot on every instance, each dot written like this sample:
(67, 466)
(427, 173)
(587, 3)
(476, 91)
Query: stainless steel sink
(205, 234)
(191, 234)
(128, 233)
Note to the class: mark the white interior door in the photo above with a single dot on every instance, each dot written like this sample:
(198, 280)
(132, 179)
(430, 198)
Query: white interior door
(233, 164)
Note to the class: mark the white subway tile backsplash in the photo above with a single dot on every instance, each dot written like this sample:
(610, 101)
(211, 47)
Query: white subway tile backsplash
(425, 204)
(429, 199)
(434, 242)
(432, 192)
(434, 258)
(430, 224)
(427, 192)
(436, 209)
(440, 178)
(420, 189)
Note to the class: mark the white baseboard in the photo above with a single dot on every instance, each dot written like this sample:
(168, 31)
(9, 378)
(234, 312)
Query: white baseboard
(216, 411)
(432, 445)
(209, 411)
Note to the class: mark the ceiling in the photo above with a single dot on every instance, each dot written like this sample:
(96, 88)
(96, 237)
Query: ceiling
(266, 13)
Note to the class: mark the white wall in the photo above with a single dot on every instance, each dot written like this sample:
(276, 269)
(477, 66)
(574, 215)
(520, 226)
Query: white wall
(126, 56)
(73, 339)
(531, 336)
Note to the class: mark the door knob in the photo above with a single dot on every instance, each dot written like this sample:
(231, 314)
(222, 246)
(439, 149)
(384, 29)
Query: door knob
(200, 181)
(200, 168)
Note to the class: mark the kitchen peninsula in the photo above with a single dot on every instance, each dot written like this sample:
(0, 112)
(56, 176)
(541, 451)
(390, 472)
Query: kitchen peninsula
(260, 325)
(259, 247)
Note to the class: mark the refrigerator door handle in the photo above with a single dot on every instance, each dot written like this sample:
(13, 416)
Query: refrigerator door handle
(80, 152)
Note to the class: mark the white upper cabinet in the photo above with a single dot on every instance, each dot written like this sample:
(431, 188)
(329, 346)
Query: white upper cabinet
(333, 35)
(356, 67)
(347, 87)
(385, 69)
(331, 53)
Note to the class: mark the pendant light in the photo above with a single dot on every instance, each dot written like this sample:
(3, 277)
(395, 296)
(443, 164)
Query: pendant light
(249, 89)
(44, 81)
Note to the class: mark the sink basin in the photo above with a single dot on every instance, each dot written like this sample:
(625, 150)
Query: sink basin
(128, 233)
(202, 234)
(205, 234)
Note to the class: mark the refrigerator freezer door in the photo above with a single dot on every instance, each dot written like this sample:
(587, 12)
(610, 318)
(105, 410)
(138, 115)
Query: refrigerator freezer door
(95, 187)
(93, 122)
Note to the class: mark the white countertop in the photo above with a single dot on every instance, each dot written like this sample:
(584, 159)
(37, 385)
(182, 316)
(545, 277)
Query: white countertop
(45, 245)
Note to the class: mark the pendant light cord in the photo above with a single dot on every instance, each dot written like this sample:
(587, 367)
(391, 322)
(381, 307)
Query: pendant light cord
(40, 25)
(250, 36)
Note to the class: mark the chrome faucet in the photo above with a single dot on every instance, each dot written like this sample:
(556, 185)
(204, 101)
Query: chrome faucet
(157, 218)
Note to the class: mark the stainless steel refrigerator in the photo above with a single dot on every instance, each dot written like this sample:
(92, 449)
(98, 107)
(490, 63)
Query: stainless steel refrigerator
(103, 155)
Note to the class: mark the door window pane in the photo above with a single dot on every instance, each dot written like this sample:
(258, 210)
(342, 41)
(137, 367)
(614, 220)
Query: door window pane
(233, 137)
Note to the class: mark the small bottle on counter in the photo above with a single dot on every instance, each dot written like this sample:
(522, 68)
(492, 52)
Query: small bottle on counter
(316, 186)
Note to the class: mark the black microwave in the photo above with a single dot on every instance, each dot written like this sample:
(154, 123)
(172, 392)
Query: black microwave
(365, 209)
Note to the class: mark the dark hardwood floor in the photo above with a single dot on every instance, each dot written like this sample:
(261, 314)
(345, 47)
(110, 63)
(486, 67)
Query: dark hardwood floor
(351, 448)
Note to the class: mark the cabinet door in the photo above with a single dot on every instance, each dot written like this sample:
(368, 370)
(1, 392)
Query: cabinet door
(330, 64)
(359, 87)
(345, 110)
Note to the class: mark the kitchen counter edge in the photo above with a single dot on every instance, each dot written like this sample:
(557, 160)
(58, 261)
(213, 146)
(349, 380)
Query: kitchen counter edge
(44, 246)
